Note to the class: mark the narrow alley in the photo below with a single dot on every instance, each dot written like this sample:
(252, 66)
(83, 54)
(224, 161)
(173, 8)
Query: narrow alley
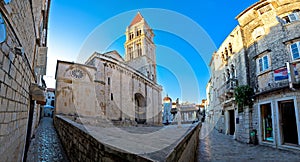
(46, 146)
(219, 147)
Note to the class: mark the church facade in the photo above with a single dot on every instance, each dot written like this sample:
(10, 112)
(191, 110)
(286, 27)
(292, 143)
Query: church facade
(110, 87)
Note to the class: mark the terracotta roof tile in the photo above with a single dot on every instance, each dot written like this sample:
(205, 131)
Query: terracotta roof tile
(136, 19)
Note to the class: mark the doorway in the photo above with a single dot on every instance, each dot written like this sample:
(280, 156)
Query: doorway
(29, 127)
(140, 108)
(266, 122)
(288, 125)
(231, 122)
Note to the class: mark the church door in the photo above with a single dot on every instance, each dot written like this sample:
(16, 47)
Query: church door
(140, 108)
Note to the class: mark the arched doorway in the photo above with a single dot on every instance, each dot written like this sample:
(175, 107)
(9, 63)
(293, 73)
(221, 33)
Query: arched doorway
(140, 108)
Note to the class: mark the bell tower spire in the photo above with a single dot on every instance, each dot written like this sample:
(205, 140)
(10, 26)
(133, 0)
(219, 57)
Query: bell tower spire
(139, 47)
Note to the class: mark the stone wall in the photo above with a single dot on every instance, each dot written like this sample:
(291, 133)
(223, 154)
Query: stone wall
(16, 75)
(81, 146)
(187, 148)
(242, 132)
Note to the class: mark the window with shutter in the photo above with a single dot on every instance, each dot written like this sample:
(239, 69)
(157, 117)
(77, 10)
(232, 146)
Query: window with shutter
(263, 63)
(295, 50)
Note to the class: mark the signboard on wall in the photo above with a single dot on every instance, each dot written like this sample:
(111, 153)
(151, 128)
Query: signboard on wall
(41, 62)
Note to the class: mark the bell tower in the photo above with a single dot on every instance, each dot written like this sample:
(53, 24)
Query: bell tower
(139, 47)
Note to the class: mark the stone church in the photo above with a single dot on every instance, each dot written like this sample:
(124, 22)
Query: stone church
(111, 87)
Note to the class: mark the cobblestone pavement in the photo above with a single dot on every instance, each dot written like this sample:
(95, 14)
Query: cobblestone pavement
(46, 145)
(219, 147)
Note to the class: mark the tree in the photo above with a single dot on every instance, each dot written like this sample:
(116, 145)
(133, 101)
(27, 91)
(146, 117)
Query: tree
(243, 96)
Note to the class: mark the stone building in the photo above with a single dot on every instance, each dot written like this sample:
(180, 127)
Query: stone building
(50, 96)
(23, 51)
(109, 87)
(189, 112)
(268, 57)
(228, 71)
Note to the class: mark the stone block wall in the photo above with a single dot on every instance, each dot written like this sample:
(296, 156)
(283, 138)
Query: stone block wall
(186, 150)
(16, 75)
(242, 132)
(81, 146)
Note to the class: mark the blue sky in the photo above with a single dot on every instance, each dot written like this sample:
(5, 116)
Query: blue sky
(186, 34)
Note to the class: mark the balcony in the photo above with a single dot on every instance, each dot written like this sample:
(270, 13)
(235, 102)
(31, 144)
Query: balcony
(226, 91)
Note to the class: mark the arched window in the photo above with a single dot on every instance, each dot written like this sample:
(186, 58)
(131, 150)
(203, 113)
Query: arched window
(230, 47)
(232, 71)
(222, 55)
(228, 74)
(130, 52)
(226, 52)
(139, 32)
(139, 49)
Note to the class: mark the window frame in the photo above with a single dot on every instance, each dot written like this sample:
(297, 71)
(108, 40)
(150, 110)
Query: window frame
(288, 18)
(298, 50)
(263, 63)
(295, 15)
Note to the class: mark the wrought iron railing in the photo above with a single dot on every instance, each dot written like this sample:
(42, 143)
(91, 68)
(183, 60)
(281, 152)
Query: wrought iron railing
(227, 87)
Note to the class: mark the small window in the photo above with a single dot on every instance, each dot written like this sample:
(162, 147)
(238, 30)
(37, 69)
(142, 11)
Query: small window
(222, 56)
(130, 52)
(232, 71)
(230, 47)
(111, 96)
(263, 63)
(139, 50)
(293, 17)
(295, 50)
(290, 18)
(2, 29)
(131, 35)
(226, 52)
(258, 32)
(139, 32)
(108, 80)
